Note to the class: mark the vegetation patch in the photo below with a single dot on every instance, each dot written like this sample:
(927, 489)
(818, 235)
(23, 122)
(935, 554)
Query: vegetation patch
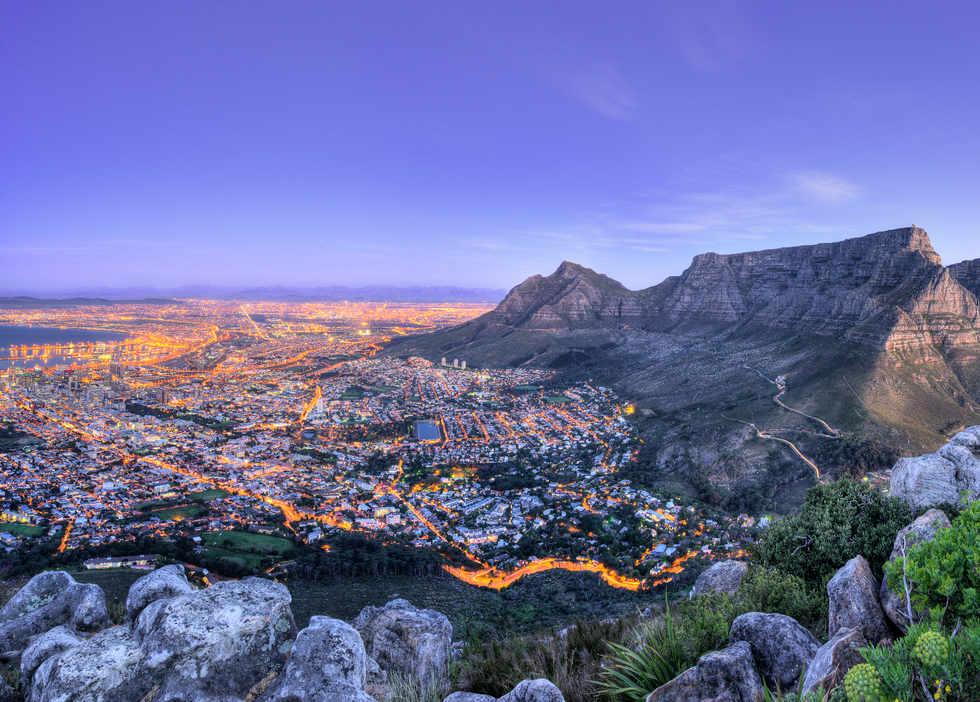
(208, 495)
(21, 529)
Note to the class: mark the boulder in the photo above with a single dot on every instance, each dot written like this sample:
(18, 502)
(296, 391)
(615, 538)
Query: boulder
(161, 584)
(539, 690)
(941, 477)
(211, 645)
(6, 694)
(48, 644)
(892, 599)
(781, 646)
(48, 600)
(833, 660)
(854, 604)
(328, 655)
(469, 697)
(729, 674)
(415, 643)
(721, 577)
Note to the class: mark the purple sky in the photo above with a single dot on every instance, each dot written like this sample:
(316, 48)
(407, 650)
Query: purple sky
(472, 143)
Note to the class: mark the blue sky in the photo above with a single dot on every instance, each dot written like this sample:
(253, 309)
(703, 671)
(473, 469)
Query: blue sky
(472, 143)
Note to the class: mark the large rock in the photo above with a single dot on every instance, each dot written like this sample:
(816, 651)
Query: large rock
(781, 646)
(539, 690)
(162, 584)
(45, 646)
(941, 477)
(413, 642)
(6, 694)
(854, 604)
(892, 599)
(469, 697)
(833, 660)
(214, 645)
(328, 657)
(49, 600)
(729, 674)
(721, 577)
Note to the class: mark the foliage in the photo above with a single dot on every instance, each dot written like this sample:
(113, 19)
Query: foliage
(853, 456)
(944, 574)
(838, 521)
(409, 689)
(704, 622)
(657, 657)
(570, 660)
(927, 665)
(771, 590)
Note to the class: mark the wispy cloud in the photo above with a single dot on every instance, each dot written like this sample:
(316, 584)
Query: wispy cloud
(605, 91)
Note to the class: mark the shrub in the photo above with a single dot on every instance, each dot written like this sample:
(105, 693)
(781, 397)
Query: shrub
(656, 658)
(838, 521)
(944, 574)
(771, 590)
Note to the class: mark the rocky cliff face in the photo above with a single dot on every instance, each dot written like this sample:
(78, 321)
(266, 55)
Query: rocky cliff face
(883, 290)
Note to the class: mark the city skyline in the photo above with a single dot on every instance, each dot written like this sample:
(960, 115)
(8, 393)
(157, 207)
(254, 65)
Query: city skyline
(241, 145)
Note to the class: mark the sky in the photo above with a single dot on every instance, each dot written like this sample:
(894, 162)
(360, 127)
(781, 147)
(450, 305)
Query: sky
(472, 143)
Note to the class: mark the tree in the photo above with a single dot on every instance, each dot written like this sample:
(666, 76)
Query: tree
(838, 521)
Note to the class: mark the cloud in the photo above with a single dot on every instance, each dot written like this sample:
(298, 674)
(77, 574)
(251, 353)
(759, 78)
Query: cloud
(605, 91)
(825, 187)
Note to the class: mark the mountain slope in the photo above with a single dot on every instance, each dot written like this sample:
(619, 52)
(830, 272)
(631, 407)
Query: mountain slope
(874, 335)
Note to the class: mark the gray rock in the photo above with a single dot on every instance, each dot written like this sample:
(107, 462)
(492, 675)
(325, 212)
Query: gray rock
(892, 599)
(781, 646)
(326, 653)
(45, 646)
(833, 660)
(6, 694)
(729, 674)
(539, 690)
(721, 577)
(375, 675)
(469, 697)
(49, 600)
(211, 645)
(413, 642)
(854, 604)
(162, 584)
(941, 477)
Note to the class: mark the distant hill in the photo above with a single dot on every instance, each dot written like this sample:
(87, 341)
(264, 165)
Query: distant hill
(21, 302)
(874, 335)
(279, 293)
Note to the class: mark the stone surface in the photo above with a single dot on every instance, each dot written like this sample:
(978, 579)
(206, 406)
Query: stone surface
(854, 604)
(6, 694)
(469, 697)
(781, 646)
(161, 584)
(48, 644)
(833, 660)
(892, 599)
(413, 642)
(729, 674)
(721, 577)
(211, 645)
(49, 600)
(328, 655)
(539, 690)
(939, 477)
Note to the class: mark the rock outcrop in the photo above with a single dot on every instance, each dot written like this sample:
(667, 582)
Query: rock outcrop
(854, 604)
(212, 645)
(45, 646)
(724, 577)
(941, 477)
(161, 584)
(49, 600)
(539, 690)
(781, 646)
(729, 674)
(413, 642)
(327, 662)
(833, 660)
(892, 598)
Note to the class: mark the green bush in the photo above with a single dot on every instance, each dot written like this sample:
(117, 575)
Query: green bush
(928, 664)
(838, 521)
(632, 672)
(944, 574)
(771, 590)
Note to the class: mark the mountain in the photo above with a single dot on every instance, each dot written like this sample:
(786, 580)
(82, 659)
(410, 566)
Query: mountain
(873, 334)
(21, 302)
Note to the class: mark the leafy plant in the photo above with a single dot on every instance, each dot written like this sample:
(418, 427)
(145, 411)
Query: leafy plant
(944, 574)
(656, 659)
(838, 521)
